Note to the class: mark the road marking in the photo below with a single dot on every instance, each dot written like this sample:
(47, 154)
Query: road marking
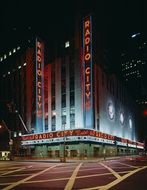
(10, 168)
(115, 182)
(92, 188)
(28, 178)
(71, 180)
(128, 165)
(61, 179)
(112, 171)
(57, 179)
(13, 171)
(106, 187)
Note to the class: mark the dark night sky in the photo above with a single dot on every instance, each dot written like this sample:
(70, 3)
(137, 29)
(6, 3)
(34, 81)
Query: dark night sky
(117, 20)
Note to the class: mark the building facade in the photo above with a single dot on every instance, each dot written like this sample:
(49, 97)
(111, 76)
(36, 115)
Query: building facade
(71, 107)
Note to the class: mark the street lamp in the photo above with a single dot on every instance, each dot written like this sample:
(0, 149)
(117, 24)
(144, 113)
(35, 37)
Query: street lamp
(64, 153)
(10, 138)
(63, 158)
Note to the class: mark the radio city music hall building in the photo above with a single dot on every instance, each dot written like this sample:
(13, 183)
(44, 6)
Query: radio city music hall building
(71, 105)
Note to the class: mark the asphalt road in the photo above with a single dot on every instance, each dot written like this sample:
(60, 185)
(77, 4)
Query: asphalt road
(121, 174)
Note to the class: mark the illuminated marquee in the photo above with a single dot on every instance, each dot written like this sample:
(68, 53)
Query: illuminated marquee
(39, 86)
(87, 65)
(67, 133)
(102, 137)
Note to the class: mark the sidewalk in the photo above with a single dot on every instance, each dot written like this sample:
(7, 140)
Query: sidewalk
(27, 159)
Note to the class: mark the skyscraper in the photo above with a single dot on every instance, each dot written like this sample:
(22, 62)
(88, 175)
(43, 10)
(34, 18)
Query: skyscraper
(134, 71)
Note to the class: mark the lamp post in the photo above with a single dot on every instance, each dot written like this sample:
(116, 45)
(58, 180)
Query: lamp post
(16, 111)
(64, 153)
(10, 138)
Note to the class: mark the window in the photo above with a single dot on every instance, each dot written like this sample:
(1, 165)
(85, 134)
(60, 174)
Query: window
(14, 50)
(63, 119)
(53, 103)
(67, 44)
(46, 124)
(5, 56)
(63, 86)
(72, 120)
(72, 84)
(63, 101)
(53, 123)
(72, 99)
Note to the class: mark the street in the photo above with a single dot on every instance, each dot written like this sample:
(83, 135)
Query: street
(117, 174)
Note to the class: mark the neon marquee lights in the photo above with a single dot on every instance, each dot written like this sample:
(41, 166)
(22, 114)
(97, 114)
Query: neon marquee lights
(87, 57)
(39, 82)
(77, 132)
(87, 68)
(39, 86)
(81, 132)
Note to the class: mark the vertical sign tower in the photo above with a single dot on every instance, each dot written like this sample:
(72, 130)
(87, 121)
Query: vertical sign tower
(87, 71)
(39, 86)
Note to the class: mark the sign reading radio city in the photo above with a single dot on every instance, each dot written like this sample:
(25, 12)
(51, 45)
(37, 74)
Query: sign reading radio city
(87, 65)
(39, 86)
(105, 138)
(67, 133)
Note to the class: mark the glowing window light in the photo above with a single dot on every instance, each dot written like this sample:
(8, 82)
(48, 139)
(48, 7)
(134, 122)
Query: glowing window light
(10, 53)
(19, 134)
(19, 67)
(18, 48)
(14, 50)
(67, 44)
(24, 64)
(1, 59)
(9, 73)
(53, 113)
(15, 134)
(5, 56)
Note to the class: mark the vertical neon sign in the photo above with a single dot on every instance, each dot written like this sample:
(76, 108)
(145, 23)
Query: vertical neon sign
(39, 86)
(87, 65)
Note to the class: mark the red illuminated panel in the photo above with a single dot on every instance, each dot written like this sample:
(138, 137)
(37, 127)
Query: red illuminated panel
(145, 112)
